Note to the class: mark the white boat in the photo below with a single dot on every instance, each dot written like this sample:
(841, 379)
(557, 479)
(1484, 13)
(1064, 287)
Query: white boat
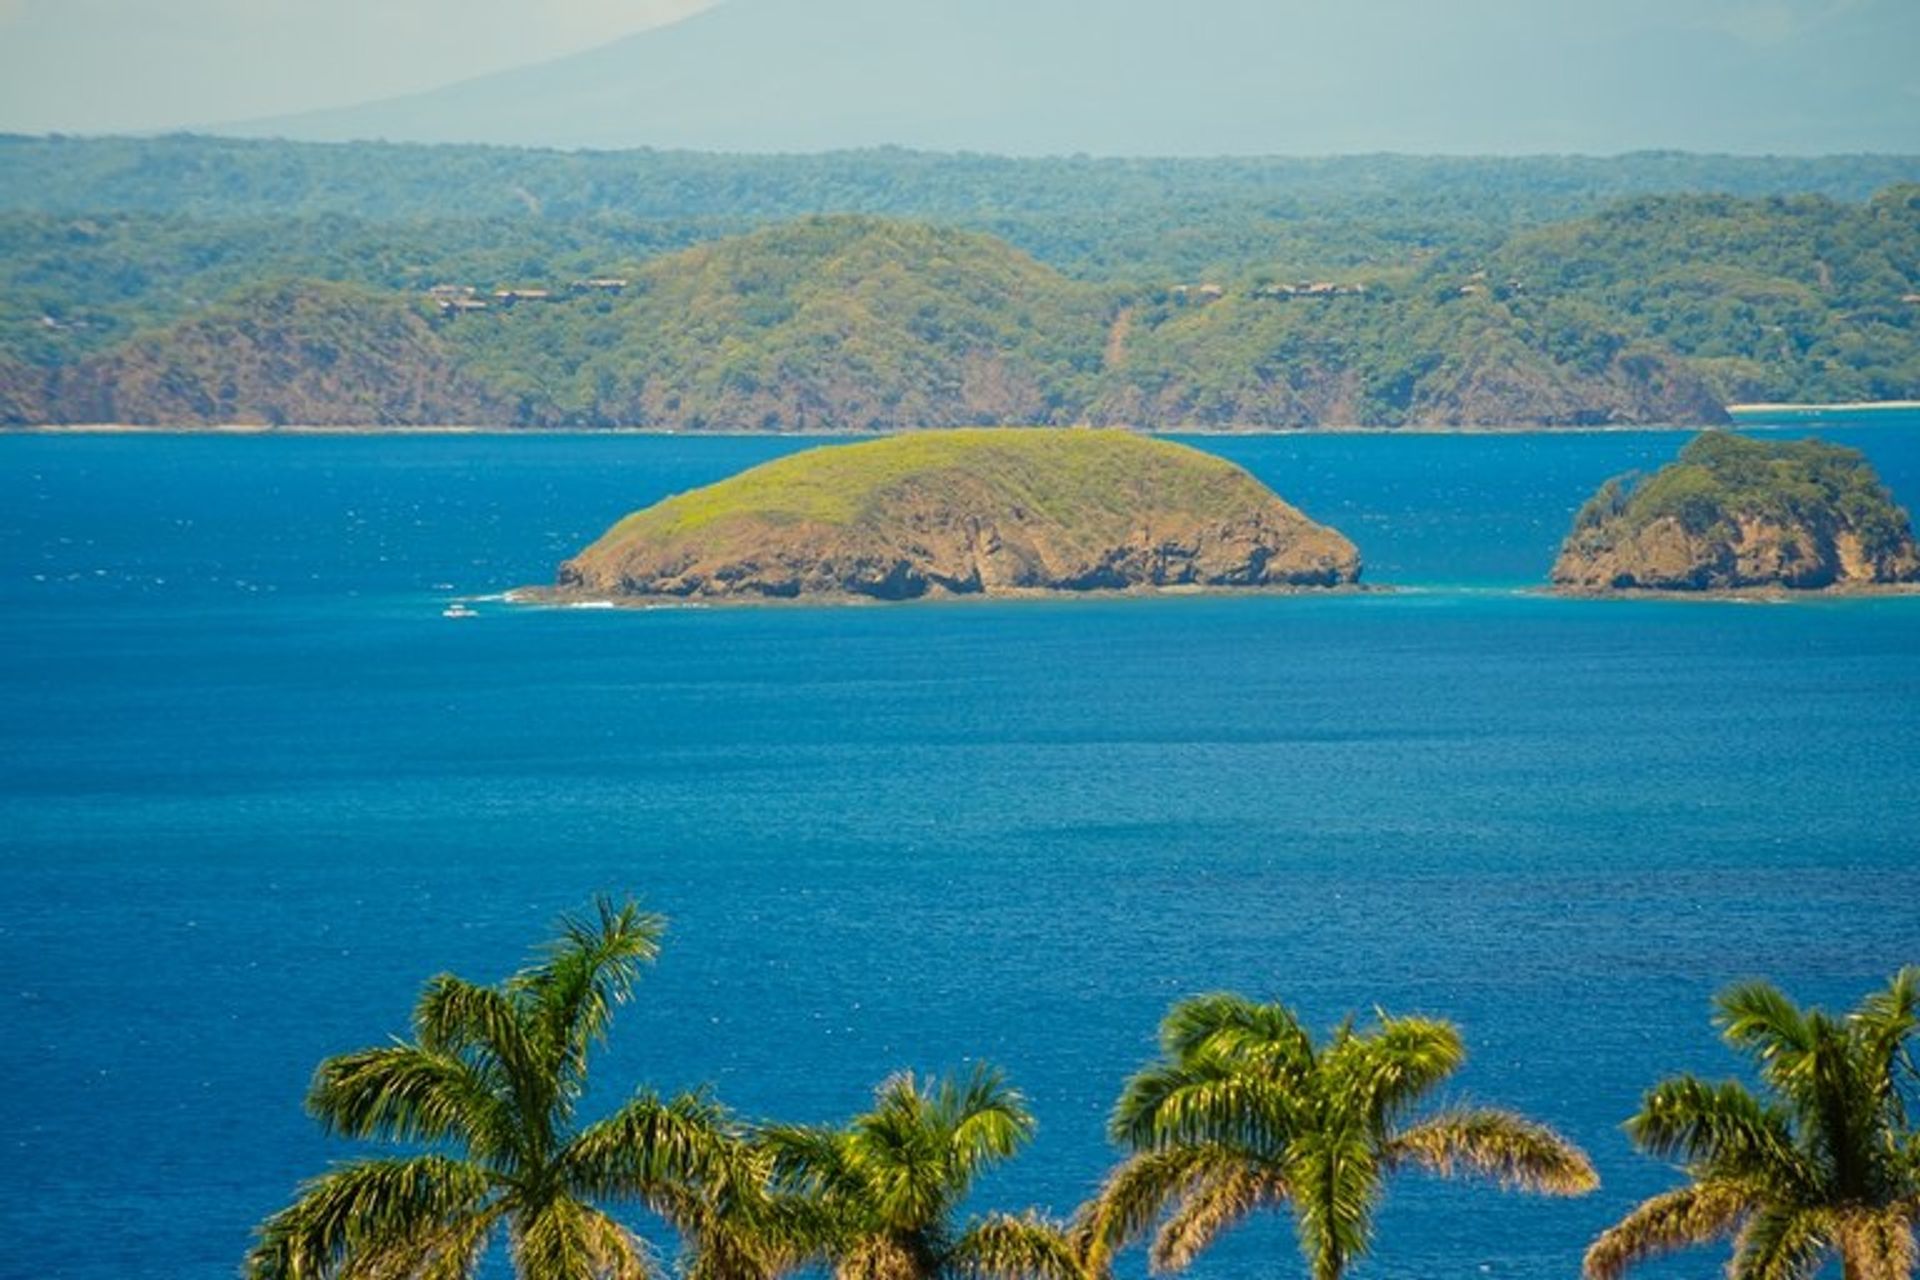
(458, 610)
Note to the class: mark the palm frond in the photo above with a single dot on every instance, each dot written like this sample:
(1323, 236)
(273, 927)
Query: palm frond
(883, 1257)
(1724, 1126)
(649, 1143)
(614, 1252)
(1333, 1178)
(1142, 1188)
(407, 1093)
(1235, 1027)
(712, 1256)
(583, 975)
(745, 1235)
(986, 1121)
(808, 1159)
(1758, 1019)
(914, 1155)
(450, 1252)
(1877, 1244)
(566, 1240)
(490, 1029)
(1510, 1149)
(1220, 1197)
(1387, 1069)
(1694, 1215)
(457, 1017)
(350, 1216)
(1206, 1102)
(1003, 1247)
(1883, 1022)
(1782, 1242)
(899, 1158)
(693, 1164)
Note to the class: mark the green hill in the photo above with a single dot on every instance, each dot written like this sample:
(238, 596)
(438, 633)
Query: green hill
(1800, 299)
(1431, 356)
(966, 512)
(846, 323)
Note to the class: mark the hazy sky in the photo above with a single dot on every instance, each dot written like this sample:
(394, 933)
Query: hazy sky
(137, 65)
(1417, 75)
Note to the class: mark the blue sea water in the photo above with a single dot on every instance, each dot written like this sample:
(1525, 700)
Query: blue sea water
(254, 789)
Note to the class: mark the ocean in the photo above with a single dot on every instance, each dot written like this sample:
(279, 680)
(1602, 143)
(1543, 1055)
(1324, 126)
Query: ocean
(255, 789)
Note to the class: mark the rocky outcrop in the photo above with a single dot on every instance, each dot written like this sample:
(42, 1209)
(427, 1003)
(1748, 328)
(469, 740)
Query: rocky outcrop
(1736, 514)
(23, 393)
(1519, 387)
(958, 513)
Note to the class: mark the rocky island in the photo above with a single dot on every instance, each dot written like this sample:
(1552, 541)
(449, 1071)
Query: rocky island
(1735, 514)
(959, 513)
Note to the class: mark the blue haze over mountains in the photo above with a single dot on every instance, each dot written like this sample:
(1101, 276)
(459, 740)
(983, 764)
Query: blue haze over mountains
(1207, 77)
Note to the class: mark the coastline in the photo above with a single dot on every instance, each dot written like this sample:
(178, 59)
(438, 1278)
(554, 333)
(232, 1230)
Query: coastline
(1761, 407)
(136, 429)
(1757, 413)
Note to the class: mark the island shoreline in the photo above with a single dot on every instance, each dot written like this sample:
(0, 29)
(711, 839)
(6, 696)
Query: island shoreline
(1738, 595)
(559, 598)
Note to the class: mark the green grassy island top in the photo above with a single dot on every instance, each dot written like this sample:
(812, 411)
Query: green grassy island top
(1076, 476)
(1732, 513)
(968, 511)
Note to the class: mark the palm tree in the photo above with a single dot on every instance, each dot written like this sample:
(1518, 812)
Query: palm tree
(488, 1087)
(1822, 1162)
(1243, 1112)
(886, 1189)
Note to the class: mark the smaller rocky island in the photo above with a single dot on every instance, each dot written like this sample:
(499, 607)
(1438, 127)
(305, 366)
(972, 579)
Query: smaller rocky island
(963, 513)
(1736, 514)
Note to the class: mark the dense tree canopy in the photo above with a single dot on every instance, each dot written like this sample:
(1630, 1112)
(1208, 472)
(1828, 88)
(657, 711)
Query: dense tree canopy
(1374, 290)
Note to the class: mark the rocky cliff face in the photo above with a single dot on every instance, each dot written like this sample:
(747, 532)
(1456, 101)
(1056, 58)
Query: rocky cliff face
(1665, 555)
(1735, 514)
(23, 393)
(302, 353)
(1639, 388)
(967, 513)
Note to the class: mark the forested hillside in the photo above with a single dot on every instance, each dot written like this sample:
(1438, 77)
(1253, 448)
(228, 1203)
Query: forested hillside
(1783, 299)
(1139, 220)
(194, 308)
